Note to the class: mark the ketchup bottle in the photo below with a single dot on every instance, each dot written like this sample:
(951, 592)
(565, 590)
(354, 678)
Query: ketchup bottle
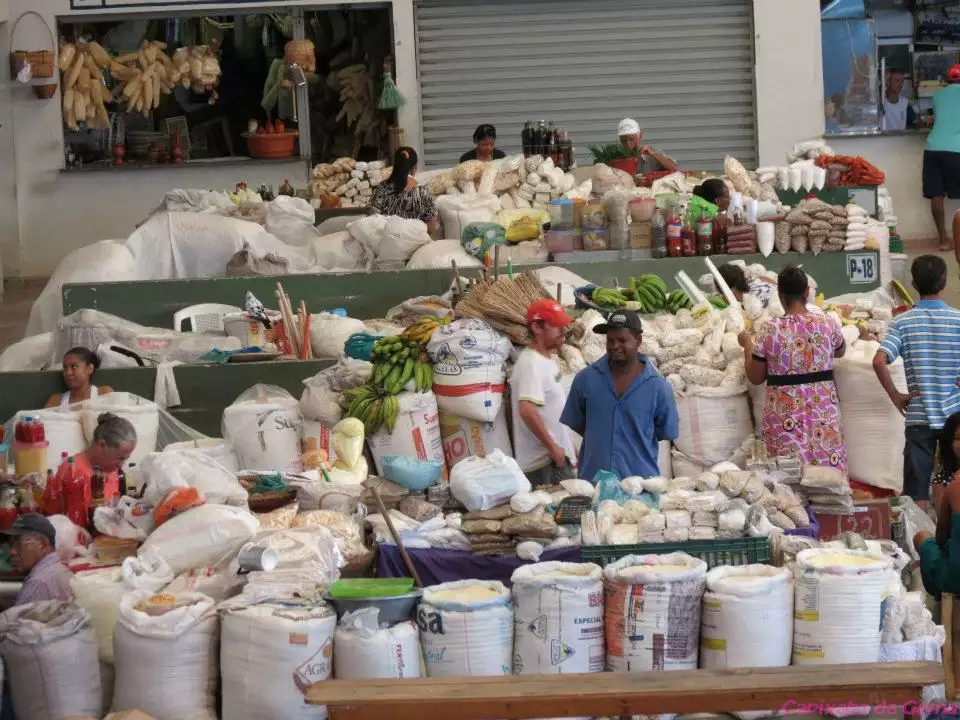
(53, 499)
(674, 233)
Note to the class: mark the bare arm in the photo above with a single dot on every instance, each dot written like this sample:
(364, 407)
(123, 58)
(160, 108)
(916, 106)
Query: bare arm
(899, 399)
(840, 351)
(53, 401)
(665, 161)
(756, 369)
(432, 226)
(944, 513)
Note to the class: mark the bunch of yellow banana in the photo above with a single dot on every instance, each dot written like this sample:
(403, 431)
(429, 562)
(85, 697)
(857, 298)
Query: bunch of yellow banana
(371, 407)
(397, 361)
(422, 330)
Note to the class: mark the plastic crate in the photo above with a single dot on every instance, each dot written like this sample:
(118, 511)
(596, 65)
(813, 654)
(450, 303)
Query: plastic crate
(743, 551)
(896, 244)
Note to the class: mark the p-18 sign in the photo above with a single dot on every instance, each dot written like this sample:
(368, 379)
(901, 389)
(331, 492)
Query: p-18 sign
(862, 268)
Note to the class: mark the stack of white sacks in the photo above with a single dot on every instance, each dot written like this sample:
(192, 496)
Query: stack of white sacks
(354, 182)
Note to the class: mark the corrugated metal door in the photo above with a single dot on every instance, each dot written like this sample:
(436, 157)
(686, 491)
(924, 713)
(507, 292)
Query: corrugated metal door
(682, 68)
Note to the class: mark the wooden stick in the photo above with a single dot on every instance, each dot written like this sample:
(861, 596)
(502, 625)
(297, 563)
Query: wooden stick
(456, 277)
(559, 292)
(306, 350)
(396, 538)
(289, 323)
(496, 262)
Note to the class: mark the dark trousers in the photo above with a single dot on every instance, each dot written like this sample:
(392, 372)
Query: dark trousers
(919, 452)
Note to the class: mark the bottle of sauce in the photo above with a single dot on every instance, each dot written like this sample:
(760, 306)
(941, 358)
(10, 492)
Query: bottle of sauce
(658, 234)
(286, 188)
(526, 138)
(674, 233)
(688, 239)
(8, 508)
(704, 234)
(720, 235)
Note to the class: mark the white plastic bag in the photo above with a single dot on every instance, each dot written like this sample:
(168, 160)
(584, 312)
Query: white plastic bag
(167, 470)
(329, 332)
(458, 211)
(263, 425)
(483, 483)
(291, 220)
(364, 650)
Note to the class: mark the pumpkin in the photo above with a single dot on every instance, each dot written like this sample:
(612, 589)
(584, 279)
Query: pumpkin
(300, 52)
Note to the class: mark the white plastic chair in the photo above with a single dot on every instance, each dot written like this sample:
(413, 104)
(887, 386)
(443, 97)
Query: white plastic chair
(206, 317)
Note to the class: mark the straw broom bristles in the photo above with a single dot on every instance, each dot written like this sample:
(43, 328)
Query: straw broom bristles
(503, 304)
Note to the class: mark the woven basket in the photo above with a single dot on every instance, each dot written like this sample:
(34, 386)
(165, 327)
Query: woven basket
(41, 61)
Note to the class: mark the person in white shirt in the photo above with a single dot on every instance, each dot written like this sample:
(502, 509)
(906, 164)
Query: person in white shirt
(542, 446)
(898, 113)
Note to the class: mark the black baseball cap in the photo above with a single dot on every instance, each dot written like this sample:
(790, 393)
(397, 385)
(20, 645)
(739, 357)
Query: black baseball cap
(620, 320)
(34, 522)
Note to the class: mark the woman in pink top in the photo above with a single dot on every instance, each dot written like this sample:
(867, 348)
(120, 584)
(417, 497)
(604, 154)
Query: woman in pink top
(114, 440)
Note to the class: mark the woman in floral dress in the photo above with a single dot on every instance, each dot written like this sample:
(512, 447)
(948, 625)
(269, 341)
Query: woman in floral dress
(794, 354)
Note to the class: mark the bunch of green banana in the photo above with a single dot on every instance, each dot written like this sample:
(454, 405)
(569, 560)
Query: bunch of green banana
(650, 291)
(678, 299)
(371, 407)
(423, 329)
(397, 361)
(608, 297)
(423, 376)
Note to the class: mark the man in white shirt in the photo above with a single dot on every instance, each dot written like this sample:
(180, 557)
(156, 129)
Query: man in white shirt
(542, 446)
(898, 113)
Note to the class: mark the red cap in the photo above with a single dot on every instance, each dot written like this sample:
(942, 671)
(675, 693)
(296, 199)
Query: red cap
(953, 74)
(548, 311)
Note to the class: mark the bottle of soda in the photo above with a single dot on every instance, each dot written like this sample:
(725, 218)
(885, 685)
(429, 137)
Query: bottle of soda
(689, 238)
(41, 431)
(674, 233)
(704, 234)
(658, 234)
(98, 492)
(75, 493)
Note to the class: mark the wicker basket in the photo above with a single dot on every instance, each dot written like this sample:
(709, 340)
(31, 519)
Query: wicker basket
(41, 61)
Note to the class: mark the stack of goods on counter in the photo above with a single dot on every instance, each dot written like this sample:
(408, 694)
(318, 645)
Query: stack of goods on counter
(814, 225)
(346, 182)
(850, 171)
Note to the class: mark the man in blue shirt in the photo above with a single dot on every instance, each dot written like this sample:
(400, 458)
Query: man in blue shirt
(621, 405)
(926, 337)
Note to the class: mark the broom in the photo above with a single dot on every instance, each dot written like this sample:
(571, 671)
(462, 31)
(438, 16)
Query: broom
(390, 101)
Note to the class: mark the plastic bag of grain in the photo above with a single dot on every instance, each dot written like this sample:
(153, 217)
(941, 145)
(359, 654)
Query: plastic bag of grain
(558, 618)
(50, 651)
(466, 629)
(270, 655)
(747, 618)
(662, 632)
(165, 648)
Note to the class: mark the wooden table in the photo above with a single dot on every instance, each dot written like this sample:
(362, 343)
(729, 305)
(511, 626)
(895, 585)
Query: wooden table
(625, 694)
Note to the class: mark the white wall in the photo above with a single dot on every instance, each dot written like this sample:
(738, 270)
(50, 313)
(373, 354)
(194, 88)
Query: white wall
(789, 75)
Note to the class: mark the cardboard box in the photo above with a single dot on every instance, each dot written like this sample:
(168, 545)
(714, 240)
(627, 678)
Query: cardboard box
(641, 237)
(870, 519)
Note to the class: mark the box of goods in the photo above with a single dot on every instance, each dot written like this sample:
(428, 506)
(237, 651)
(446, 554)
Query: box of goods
(640, 236)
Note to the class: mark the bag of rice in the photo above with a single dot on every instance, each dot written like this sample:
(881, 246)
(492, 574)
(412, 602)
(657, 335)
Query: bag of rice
(681, 483)
(702, 533)
(732, 482)
(734, 518)
(654, 522)
(279, 519)
(706, 481)
(675, 500)
(677, 519)
(753, 489)
(704, 519)
(710, 501)
(677, 534)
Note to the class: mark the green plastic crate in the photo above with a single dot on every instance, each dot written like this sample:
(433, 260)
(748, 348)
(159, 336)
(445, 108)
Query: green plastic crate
(743, 551)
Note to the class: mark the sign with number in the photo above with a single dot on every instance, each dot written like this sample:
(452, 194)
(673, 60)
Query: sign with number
(870, 519)
(862, 268)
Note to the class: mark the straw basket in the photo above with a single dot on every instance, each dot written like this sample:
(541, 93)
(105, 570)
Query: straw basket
(41, 61)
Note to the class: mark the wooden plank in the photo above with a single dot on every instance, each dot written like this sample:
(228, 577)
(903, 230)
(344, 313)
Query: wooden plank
(369, 295)
(619, 694)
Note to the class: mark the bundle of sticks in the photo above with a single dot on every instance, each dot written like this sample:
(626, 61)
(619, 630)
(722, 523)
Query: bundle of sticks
(293, 333)
(503, 303)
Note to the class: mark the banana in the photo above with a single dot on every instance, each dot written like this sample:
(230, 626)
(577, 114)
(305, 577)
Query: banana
(407, 372)
(390, 412)
(654, 280)
(647, 298)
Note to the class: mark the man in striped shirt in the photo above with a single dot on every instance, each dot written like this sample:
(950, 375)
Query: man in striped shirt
(927, 337)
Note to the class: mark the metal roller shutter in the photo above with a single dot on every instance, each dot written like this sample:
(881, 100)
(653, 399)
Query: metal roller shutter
(682, 68)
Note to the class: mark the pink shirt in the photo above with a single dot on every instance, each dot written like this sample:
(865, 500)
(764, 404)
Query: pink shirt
(48, 580)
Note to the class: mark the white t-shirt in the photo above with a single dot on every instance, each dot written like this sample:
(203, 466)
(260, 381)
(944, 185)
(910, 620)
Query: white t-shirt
(535, 378)
(895, 114)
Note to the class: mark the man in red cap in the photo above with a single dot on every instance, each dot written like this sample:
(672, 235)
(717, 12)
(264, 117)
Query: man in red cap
(941, 157)
(542, 446)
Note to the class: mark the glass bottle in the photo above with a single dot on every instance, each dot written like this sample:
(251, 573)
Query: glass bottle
(98, 493)
(75, 493)
(688, 238)
(286, 188)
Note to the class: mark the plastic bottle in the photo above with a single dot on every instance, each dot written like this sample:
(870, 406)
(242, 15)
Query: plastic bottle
(674, 233)
(98, 492)
(704, 234)
(286, 188)
(41, 431)
(658, 234)
(8, 508)
(75, 492)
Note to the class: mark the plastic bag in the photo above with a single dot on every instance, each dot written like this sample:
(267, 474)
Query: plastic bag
(480, 237)
(165, 471)
(483, 483)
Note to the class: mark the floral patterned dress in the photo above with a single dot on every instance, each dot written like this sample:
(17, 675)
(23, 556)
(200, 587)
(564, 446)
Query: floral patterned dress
(801, 413)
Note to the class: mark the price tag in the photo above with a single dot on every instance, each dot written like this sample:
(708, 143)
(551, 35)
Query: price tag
(862, 268)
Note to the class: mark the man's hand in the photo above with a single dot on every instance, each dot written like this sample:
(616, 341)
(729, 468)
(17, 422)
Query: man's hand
(745, 338)
(646, 150)
(901, 400)
(558, 455)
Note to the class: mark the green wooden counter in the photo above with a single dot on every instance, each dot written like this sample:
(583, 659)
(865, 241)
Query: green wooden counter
(204, 389)
(370, 295)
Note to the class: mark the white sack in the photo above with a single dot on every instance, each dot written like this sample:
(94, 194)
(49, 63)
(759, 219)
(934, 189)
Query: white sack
(401, 238)
(363, 650)
(338, 251)
(713, 426)
(558, 618)
(329, 332)
(466, 629)
(417, 432)
(458, 211)
(270, 655)
(50, 652)
(291, 220)
(166, 664)
(105, 261)
(201, 537)
(30, 354)
(438, 254)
